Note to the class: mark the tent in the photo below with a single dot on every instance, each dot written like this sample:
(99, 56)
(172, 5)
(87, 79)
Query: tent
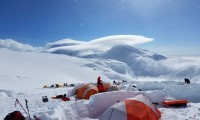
(86, 91)
(58, 85)
(136, 108)
(45, 86)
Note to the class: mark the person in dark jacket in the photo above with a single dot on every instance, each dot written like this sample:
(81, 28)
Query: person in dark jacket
(187, 81)
(114, 82)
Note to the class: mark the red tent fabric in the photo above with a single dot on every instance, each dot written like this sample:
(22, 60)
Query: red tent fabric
(86, 91)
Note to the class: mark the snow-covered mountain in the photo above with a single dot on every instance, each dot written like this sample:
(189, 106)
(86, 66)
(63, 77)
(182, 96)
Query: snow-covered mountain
(139, 62)
(116, 57)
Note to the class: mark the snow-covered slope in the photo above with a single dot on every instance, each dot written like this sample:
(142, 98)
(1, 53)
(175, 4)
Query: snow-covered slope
(113, 69)
(19, 68)
(35, 69)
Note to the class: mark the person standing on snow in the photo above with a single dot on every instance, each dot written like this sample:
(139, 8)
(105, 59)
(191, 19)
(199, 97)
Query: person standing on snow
(100, 85)
(114, 82)
(187, 81)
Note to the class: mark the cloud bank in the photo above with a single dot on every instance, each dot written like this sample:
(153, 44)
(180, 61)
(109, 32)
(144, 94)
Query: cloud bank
(63, 42)
(13, 45)
(100, 44)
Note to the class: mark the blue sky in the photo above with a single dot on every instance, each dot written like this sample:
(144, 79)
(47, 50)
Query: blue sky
(174, 24)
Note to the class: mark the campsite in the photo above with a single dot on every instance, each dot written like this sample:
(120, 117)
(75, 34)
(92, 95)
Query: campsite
(99, 60)
(97, 104)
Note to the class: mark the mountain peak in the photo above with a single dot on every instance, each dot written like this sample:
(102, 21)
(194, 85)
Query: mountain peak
(125, 50)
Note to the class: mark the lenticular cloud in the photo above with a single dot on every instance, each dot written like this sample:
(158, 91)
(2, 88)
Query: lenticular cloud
(104, 43)
(119, 39)
(111, 41)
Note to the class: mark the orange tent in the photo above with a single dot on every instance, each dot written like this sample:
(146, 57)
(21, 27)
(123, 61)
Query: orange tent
(136, 108)
(86, 91)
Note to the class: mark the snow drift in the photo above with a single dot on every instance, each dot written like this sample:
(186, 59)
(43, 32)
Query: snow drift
(188, 91)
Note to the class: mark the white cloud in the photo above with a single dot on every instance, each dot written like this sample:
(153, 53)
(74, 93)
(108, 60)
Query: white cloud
(13, 45)
(105, 43)
(63, 42)
(110, 41)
